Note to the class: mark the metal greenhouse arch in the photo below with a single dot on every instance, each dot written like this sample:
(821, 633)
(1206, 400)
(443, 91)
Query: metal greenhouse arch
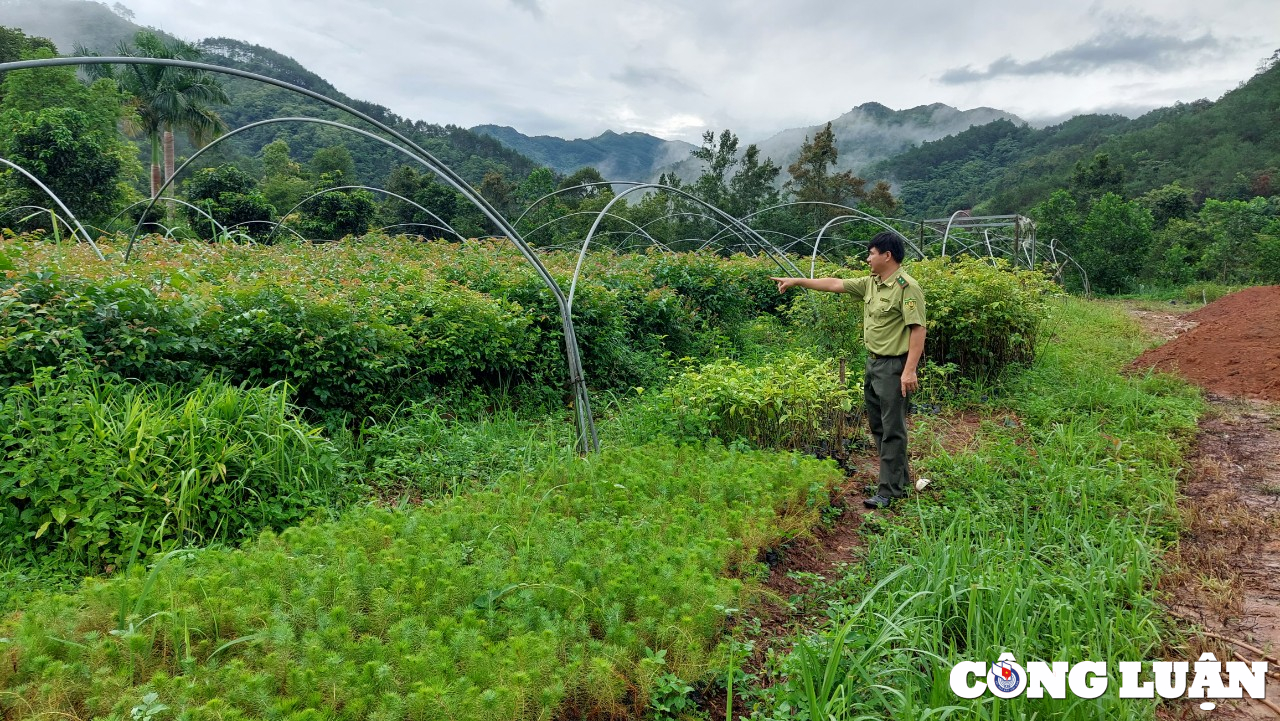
(588, 440)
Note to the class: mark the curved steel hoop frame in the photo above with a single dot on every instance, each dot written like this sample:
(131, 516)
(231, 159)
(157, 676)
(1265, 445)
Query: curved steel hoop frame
(151, 204)
(389, 227)
(588, 441)
(735, 225)
(43, 210)
(776, 256)
(851, 212)
(83, 233)
(271, 121)
(638, 228)
(337, 188)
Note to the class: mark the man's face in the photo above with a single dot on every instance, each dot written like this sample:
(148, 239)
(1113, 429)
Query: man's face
(877, 260)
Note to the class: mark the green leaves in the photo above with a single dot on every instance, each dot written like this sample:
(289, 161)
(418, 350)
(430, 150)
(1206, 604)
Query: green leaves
(548, 593)
(785, 404)
(87, 462)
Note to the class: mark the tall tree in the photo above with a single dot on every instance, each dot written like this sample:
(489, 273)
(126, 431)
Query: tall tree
(334, 158)
(167, 98)
(1090, 181)
(65, 134)
(282, 180)
(717, 157)
(1113, 243)
(752, 188)
(813, 181)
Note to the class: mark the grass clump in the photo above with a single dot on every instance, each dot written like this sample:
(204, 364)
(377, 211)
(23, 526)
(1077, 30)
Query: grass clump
(95, 470)
(1044, 541)
(543, 597)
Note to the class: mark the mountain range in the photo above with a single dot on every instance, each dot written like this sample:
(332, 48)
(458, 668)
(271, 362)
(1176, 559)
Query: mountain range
(866, 134)
(938, 158)
(619, 156)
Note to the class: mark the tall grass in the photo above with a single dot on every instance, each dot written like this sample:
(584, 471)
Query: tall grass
(1044, 542)
(422, 451)
(90, 464)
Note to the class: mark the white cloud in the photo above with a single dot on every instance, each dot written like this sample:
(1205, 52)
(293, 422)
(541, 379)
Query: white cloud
(568, 66)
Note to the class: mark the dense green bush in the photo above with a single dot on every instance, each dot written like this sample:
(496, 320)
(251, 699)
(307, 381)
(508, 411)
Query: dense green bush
(982, 314)
(786, 404)
(333, 356)
(91, 465)
(363, 327)
(232, 197)
(47, 320)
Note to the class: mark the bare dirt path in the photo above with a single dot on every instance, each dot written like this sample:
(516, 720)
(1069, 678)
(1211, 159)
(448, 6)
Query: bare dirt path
(1226, 568)
(802, 572)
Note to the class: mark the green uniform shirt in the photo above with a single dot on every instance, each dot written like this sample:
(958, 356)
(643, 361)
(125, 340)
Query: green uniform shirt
(889, 307)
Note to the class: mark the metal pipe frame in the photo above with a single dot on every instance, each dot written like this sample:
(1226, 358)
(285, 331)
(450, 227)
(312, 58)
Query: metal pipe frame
(636, 185)
(296, 234)
(84, 233)
(588, 440)
(389, 227)
(765, 245)
(145, 213)
(337, 188)
(836, 206)
(40, 209)
(638, 228)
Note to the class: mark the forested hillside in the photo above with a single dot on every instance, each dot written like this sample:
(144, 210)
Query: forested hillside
(95, 28)
(618, 156)
(470, 154)
(1229, 148)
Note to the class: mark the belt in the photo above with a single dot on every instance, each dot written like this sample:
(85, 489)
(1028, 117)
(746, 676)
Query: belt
(877, 356)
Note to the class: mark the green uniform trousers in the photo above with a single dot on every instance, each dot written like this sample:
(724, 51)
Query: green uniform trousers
(887, 416)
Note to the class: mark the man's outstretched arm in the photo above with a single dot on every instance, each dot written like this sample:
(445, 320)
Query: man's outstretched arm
(830, 285)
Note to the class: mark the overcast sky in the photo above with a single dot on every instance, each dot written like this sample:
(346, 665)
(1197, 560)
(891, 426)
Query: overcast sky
(575, 68)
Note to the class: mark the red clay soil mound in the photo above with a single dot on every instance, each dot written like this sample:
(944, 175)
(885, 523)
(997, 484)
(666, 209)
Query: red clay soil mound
(1235, 349)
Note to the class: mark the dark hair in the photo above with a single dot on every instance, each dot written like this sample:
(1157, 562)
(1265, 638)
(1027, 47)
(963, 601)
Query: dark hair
(889, 242)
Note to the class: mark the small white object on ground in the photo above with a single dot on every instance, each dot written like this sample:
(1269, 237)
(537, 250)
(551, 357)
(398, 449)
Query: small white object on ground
(921, 483)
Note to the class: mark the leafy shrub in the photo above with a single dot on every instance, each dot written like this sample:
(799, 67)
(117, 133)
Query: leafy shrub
(787, 404)
(367, 325)
(333, 357)
(47, 320)
(232, 197)
(705, 279)
(831, 323)
(982, 314)
(90, 464)
(339, 213)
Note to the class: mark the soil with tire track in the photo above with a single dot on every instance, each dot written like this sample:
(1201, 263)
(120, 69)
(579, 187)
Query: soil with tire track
(1225, 573)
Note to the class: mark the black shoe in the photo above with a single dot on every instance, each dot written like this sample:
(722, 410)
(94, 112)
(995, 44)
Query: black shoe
(877, 502)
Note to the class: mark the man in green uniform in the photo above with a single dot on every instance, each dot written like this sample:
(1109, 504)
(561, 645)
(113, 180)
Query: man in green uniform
(893, 330)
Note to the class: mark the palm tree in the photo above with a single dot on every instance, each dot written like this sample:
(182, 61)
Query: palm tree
(167, 98)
